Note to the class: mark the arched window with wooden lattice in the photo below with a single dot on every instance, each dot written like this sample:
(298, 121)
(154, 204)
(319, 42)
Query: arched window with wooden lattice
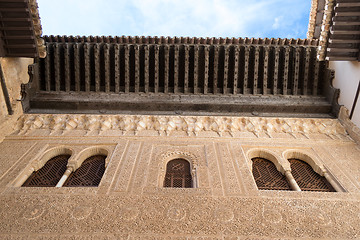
(89, 174)
(307, 178)
(50, 174)
(178, 174)
(267, 177)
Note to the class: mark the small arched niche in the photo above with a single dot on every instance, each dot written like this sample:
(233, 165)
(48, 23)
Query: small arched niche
(89, 174)
(267, 177)
(278, 162)
(49, 169)
(308, 171)
(178, 174)
(307, 178)
(315, 164)
(89, 152)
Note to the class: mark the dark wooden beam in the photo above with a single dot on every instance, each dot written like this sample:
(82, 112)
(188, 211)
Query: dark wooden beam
(188, 104)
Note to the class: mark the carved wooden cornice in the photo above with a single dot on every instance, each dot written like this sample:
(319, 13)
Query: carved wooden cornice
(180, 40)
(312, 19)
(37, 28)
(92, 77)
(164, 125)
(325, 29)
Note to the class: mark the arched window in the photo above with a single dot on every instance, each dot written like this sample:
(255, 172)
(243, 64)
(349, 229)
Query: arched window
(50, 174)
(307, 178)
(178, 174)
(88, 174)
(267, 177)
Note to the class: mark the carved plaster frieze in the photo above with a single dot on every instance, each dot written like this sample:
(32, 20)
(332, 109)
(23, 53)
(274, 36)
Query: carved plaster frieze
(164, 125)
(33, 6)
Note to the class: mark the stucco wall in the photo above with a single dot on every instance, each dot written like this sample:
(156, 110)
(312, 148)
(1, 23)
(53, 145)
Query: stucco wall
(347, 77)
(15, 72)
(130, 202)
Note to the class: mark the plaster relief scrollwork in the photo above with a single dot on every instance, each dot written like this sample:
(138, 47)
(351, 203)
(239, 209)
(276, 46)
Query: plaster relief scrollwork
(271, 215)
(223, 214)
(33, 212)
(128, 213)
(165, 125)
(321, 218)
(81, 212)
(179, 154)
(176, 214)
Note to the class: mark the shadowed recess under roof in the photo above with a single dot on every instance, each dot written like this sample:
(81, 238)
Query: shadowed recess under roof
(179, 40)
(187, 75)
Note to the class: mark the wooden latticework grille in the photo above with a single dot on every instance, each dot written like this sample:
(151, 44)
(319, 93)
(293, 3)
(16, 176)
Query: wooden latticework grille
(267, 177)
(178, 174)
(89, 174)
(50, 174)
(307, 178)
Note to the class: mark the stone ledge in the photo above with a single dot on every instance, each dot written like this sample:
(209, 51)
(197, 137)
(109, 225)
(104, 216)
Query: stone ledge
(350, 127)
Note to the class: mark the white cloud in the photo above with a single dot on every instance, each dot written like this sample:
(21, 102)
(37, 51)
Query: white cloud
(277, 22)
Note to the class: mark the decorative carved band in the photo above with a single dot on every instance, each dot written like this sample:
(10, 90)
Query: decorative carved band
(179, 40)
(325, 28)
(164, 125)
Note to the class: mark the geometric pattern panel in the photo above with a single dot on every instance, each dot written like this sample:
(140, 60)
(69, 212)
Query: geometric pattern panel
(267, 177)
(307, 178)
(89, 174)
(178, 174)
(50, 174)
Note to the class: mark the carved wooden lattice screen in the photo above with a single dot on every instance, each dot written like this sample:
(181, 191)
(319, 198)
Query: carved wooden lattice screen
(267, 177)
(88, 174)
(50, 174)
(178, 174)
(307, 178)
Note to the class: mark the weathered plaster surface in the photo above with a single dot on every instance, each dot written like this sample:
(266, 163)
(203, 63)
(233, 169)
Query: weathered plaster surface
(347, 80)
(15, 74)
(131, 204)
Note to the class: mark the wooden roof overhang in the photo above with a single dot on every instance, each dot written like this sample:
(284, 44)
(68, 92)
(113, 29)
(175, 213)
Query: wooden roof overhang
(344, 40)
(190, 76)
(20, 29)
(336, 24)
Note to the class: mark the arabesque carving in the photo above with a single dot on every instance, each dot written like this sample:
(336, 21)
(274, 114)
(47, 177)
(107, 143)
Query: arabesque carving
(165, 125)
(179, 154)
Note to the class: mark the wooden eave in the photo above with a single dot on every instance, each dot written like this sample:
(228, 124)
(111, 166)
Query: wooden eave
(20, 29)
(344, 40)
(193, 76)
(338, 30)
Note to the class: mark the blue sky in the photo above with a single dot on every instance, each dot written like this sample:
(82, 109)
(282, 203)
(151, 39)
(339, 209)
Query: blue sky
(194, 18)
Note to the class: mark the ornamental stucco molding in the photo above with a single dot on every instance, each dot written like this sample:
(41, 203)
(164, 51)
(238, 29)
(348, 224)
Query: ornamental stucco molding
(325, 28)
(33, 6)
(312, 19)
(169, 155)
(165, 125)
